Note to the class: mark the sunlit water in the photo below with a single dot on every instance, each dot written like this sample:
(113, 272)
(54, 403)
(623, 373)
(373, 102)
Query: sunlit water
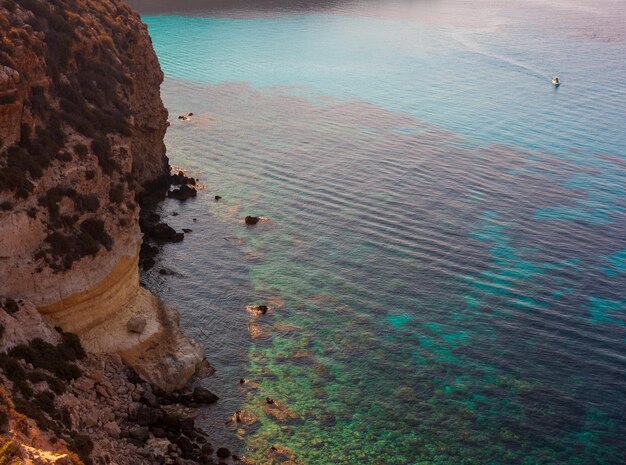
(446, 246)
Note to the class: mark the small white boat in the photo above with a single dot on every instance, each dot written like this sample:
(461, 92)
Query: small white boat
(556, 81)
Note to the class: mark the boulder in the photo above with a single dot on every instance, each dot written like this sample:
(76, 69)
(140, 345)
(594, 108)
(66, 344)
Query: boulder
(206, 451)
(179, 179)
(112, 429)
(183, 193)
(177, 414)
(163, 232)
(186, 446)
(148, 396)
(251, 220)
(140, 433)
(136, 324)
(223, 452)
(203, 396)
(169, 359)
(157, 432)
(148, 416)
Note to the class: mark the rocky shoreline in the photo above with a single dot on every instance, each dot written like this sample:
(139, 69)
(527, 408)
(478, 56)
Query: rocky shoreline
(93, 367)
(104, 411)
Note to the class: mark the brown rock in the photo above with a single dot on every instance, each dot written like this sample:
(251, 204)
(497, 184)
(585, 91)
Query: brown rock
(257, 309)
(223, 452)
(244, 417)
(181, 412)
(112, 429)
(282, 453)
(136, 324)
(203, 396)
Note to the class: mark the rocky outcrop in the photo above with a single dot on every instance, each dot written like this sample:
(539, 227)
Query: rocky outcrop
(150, 116)
(81, 136)
(81, 140)
(60, 405)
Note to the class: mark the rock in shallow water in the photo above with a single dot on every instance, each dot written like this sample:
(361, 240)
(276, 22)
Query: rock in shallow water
(251, 220)
(204, 396)
(163, 232)
(223, 452)
(182, 193)
(257, 309)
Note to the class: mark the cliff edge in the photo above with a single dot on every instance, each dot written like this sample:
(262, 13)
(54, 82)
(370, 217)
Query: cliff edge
(81, 135)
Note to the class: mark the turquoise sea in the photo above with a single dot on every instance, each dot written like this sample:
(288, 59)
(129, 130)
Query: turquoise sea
(445, 251)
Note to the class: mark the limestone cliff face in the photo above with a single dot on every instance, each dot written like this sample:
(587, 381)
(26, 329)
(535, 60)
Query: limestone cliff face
(81, 132)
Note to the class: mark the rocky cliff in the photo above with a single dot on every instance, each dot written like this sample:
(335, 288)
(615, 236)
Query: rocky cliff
(81, 134)
(81, 139)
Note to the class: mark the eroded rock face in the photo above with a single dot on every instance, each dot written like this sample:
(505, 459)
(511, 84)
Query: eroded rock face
(167, 359)
(81, 132)
(80, 107)
(23, 325)
(10, 105)
(82, 407)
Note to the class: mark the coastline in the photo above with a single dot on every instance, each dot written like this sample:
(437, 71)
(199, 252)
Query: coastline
(94, 367)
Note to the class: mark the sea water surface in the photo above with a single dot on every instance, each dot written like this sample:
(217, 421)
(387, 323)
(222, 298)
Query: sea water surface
(445, 251)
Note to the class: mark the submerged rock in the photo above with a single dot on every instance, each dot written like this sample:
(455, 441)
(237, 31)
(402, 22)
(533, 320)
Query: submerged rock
(257, 309)
(244, 417)
(251, 220)
(279, 411)
(282, 453)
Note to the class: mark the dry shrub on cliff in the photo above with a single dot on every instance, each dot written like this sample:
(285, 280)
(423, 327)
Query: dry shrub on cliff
(101, 147)
(28, 160)
(116, 193)
(42, 354)
(9, 305)
(38, 102)
(65, 248)
(10, 5)
(81, 150)
(86, 203)
(70, 347)
(91, 101)
(14, 372)
(55, 384)
(82, 445)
